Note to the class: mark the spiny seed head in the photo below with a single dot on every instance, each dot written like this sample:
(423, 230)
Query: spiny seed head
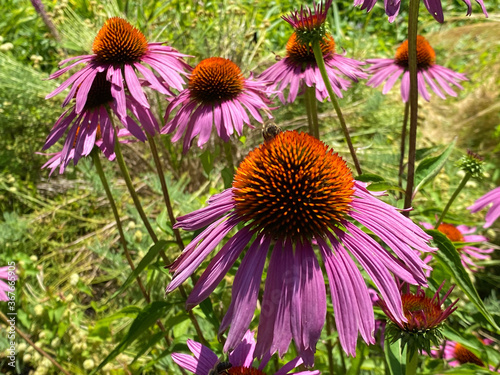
(215, 80)
(472, 163)
(293, 186)
(303, 53)
(310, 25)
(118, 42)
(426, 56)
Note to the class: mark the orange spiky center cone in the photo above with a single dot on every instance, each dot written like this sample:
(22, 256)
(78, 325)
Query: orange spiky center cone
(301, 53)
(422, 312)
(293, 186)
(451, 232)
(215, 80)
(426, 56)
(118, 42)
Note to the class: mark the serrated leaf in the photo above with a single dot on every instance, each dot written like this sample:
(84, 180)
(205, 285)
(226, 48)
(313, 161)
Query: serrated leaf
(148, 258)
(141, 324)
(447, 256)
(430, 167)
(394, 357)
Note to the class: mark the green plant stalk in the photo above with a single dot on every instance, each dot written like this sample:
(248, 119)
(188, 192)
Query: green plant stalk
(412, 63)
(403, 147)
(104, 181)
(329, 344)
(229, 155)
(166, 196)
(411, 362)
(38, 349)
(452, 198)
(137, 203)
(312, 111)
(333, 98)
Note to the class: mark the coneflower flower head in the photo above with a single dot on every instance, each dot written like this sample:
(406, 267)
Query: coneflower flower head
(217, 94)
(88, 121)
(472, 163)
(292, 193)
(423, 315)
(120, 50)
(309, 24)
(437, 77)
(299, 68)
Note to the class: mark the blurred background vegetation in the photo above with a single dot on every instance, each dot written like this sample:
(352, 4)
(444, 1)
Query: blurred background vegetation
(61, 233)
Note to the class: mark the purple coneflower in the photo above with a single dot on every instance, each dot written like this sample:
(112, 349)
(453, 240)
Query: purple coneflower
(421, 312)
(4, 287)
(463, 233)
(295, 193)
(92, 122)
(219, 94)
(456, 354)
(492, 197)
(437, 77)
(299, 68)
(120, 50)
(241, 359)
(434, 7)
(56, 158)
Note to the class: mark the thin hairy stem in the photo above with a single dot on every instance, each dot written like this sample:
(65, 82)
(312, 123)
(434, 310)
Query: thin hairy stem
(412, 62)
(312, 111)
(333, 98)
(452, 198)
(403, 147)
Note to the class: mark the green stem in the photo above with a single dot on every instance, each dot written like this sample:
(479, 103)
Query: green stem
(312, 111)
(403, 147)
(333, 98)
(329, 344)
(131, 190)
(229, 155)
(412, 63)
(104, 181)
(450, 202)
(411, 362)
(166, 196)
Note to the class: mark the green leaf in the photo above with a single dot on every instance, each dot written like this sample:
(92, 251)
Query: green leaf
(207, 160)
(394, 357)
(149, 344)
(146, 318)
(148, 258)
(382, 186)
(370, 177)
(362, 353)
(430, 167)
(447, 256)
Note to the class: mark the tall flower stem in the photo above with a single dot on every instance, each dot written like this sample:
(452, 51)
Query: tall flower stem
(450, 202)
(33, 345)
(142, 214)
(411, 362)
(403, 147)
(412, 62)
(321, 65)
(166, 196)
(104, 181)
(312, 111)
(229, 155)
(329, 344)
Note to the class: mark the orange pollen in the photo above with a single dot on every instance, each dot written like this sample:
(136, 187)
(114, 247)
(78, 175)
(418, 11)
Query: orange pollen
(240, 370)
(118, 42)
(426, 56)
(422, 313)
(301, 53)
(464, 355)
(293, 186)
(310, 23)
(451, 232)
(216, 79)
